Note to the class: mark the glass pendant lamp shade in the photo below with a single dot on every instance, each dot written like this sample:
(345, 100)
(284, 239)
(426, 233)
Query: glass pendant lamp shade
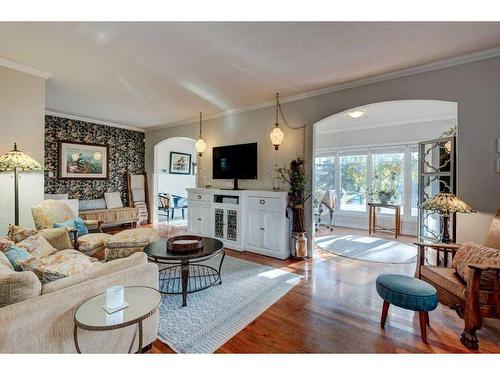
(200, 143)
(276, 136)
(200, 146)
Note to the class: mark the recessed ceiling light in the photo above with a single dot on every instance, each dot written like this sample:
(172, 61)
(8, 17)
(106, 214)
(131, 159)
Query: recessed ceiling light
(357, 113)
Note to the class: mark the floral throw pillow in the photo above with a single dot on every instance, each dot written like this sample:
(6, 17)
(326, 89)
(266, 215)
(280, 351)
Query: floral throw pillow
(37, 246)
(17, 233)
(57, 266)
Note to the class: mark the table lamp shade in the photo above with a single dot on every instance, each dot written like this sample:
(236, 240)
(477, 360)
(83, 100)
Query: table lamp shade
(447, 203)
(18, 159)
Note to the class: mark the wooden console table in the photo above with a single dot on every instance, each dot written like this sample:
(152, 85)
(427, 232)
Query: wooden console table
(372, 219)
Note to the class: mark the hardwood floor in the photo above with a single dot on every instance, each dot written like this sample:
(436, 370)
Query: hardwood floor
(336, 309)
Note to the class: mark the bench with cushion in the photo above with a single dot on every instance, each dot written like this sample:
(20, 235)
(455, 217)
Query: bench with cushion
(96, 209)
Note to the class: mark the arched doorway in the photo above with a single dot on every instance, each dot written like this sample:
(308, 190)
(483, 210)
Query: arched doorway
(175, 169)
(355, 152)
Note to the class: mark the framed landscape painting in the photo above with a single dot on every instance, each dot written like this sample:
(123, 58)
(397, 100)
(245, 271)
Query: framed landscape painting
(83, 160)
(180, 163)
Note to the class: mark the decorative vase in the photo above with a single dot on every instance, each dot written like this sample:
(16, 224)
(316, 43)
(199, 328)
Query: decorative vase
(299, 245)
(384, 197)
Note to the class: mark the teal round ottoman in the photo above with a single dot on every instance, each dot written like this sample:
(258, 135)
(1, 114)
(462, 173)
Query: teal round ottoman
(408, 293)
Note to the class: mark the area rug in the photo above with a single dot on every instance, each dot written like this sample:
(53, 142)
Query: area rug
(370, 249)
(216, 314)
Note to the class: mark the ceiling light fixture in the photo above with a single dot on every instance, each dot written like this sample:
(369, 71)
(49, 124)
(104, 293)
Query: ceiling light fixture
(277, 134)
(356, 113)
(200, 143)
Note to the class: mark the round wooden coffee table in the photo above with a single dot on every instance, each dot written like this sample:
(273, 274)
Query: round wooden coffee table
(185, 274)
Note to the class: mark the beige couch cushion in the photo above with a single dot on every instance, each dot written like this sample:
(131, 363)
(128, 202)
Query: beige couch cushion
(17, 286)
(5, 264)
(446, 278)
(472, 253)
(98, 270)
(37, 246)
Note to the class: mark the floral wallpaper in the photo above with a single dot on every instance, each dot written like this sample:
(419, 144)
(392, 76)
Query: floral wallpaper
(126, 151)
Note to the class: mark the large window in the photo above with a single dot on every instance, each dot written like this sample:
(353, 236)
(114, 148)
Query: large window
(388, 173)
(353, 182)
(325, 173)
(351, 173)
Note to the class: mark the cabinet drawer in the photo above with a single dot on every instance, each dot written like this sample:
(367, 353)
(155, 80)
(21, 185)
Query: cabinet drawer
(199, 197)
(265, 203)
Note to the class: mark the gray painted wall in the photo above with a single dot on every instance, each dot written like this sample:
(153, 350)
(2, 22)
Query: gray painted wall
(22, 106)
(474, 86)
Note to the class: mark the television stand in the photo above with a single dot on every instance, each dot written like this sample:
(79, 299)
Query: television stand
(235, 185)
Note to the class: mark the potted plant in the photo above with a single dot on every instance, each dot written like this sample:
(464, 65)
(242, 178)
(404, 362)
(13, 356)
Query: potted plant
(383, 190)
(296, 179)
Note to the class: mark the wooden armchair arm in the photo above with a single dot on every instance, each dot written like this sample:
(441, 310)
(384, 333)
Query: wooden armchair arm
(76, 244)
(439, 245)
(484, 267)
(446, 248)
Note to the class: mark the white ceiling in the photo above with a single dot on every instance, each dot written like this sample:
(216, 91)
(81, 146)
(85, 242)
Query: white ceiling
(148, 74)
(392, 113)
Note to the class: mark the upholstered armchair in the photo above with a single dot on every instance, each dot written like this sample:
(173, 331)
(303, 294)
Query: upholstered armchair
(467, 278)
(52, 211)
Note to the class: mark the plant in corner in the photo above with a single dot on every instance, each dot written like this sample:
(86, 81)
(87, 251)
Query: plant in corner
(297, 180)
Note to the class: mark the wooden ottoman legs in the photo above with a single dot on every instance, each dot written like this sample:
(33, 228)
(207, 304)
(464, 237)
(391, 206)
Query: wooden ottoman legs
(423, 317)
(385, 310)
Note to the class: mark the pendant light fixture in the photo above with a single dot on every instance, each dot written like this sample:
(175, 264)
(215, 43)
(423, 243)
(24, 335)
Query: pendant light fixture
(200, 143)
(276, 134)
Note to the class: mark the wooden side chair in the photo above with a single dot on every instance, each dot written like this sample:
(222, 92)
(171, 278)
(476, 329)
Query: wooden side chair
(467, 278)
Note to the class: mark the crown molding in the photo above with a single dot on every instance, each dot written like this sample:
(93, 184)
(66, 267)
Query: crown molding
(436, 65)
(91, 120)
(23, 68)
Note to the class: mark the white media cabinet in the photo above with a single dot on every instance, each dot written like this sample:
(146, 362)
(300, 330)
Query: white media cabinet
(251, 220)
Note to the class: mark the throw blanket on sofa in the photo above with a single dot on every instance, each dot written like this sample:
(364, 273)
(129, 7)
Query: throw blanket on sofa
(143, 212)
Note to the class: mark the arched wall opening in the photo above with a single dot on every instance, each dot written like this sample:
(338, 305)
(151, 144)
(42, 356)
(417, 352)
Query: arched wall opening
(169, 179)
(359, 140)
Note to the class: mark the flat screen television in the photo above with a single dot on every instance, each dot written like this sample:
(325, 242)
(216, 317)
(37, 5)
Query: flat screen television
(236, 162)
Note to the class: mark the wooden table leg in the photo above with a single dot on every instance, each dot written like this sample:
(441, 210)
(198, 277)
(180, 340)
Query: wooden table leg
(396, 223)
(369, 220)
(185, 281)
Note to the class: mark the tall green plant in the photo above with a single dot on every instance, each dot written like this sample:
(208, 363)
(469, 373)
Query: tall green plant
(298, 193)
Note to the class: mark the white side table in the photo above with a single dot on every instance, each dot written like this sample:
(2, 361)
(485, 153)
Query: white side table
(90, 315)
